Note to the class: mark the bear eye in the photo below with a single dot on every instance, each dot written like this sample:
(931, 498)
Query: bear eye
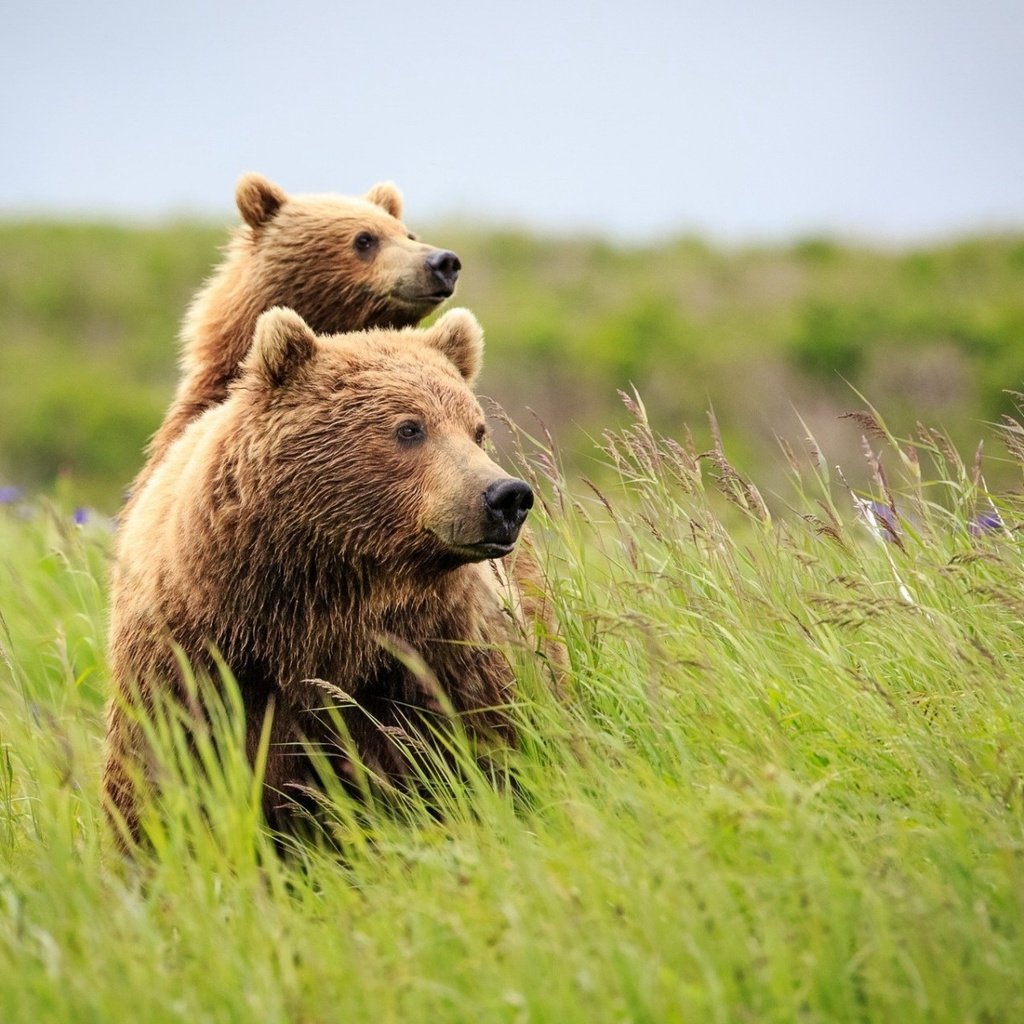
(365, 241)
(410, 431)
(480, 434)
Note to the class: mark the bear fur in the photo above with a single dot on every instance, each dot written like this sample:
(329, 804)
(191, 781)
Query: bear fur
(332, 516)
(343, 264)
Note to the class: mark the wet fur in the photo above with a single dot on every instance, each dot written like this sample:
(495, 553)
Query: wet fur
(286, 531)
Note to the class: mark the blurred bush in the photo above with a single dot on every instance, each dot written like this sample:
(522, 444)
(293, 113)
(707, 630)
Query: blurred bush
(89, 315)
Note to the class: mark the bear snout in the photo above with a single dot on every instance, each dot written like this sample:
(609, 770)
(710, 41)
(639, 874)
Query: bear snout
(444, 265)
(507, 502)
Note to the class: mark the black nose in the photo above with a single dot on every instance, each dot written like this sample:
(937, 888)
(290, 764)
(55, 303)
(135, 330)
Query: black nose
(508, 501)
(445, 267)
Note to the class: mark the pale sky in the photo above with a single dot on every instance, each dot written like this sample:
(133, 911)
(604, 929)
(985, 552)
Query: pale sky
(893, 120)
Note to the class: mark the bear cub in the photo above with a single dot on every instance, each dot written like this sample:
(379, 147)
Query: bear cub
(342, 263)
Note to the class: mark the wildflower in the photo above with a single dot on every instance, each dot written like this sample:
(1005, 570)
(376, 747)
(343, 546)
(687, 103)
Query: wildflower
(879, 519)
(882, 523)
(10, 494)
(984, 522)
(80, 516)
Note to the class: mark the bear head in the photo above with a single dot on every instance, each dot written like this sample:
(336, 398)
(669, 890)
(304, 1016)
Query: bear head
(341, 261)
(370, 445)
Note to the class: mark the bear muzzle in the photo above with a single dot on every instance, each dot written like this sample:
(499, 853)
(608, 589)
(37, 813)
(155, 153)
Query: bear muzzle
(443, 267)
(506, 504)
(493, 530)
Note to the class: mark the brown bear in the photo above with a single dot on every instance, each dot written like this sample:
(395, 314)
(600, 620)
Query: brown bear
(343, 264)
(334, 514)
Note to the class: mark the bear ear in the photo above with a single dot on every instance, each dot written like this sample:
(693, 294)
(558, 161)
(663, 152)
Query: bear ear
(282, 344)
(459, 336)
(387, 197)
(258, 199)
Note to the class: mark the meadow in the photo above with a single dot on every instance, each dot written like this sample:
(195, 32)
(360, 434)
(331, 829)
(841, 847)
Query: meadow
(786, 783)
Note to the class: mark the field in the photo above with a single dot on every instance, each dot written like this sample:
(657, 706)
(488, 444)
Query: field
(786, 785)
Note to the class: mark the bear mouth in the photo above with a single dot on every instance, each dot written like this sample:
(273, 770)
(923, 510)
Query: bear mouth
(424, 300)
(482, 551)
(493, 544)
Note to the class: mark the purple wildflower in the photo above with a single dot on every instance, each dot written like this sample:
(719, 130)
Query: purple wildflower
(10, 494)
(984, 522)
(79, 516)
(885, 518)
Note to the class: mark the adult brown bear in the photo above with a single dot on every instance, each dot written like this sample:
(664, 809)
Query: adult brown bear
(338, 508)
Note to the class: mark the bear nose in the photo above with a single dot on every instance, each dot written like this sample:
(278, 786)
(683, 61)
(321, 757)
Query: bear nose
(445, 266)
(508, 501)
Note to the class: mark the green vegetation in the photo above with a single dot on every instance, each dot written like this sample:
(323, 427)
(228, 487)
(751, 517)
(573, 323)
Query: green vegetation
(89, 317)
(787, 784)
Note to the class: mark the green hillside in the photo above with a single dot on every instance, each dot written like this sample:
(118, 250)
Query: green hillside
(89, 316)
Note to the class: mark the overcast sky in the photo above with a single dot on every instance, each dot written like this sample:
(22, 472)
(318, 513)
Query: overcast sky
(898, 120)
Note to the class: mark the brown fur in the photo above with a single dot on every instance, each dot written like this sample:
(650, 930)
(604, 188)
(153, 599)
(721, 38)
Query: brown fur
(296, 251)
(289, 529)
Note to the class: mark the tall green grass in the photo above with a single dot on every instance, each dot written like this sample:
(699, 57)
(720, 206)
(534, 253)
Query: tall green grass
(786, 782)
